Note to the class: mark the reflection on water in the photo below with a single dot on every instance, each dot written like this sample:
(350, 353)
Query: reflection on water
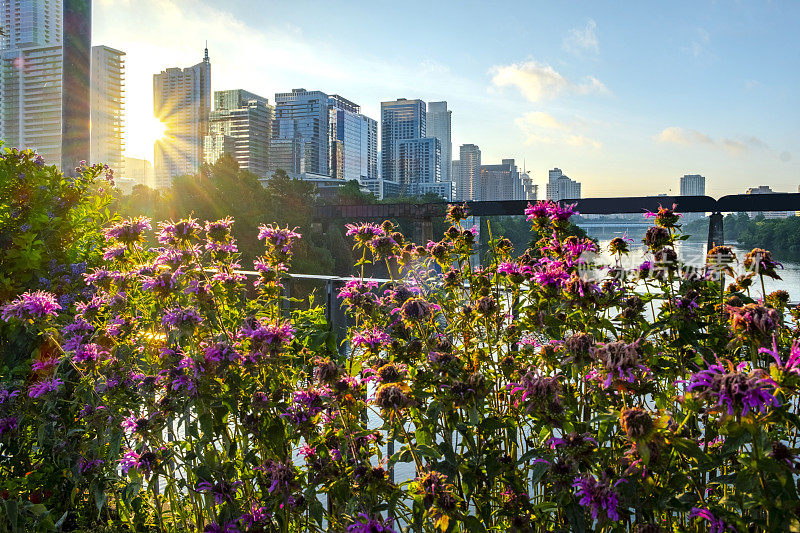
(693, 253)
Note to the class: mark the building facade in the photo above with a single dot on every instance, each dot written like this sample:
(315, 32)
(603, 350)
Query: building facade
(693, 185)
(467, 184)
(140, 171)
(314, 133)
(502, 182)
(44, 78)
(420, 164)
(401, 120)
(241, 126)
(107, 139)
(561, 187)
(439, 125)
(182, 102)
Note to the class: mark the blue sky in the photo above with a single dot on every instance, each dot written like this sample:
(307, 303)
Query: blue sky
(625, 97)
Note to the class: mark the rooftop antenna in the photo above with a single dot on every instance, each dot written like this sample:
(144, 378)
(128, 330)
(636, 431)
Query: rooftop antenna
(206, 57)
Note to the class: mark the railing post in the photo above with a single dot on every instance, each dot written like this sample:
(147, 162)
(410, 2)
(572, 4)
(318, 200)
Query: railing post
(336, 315)
(716, 231)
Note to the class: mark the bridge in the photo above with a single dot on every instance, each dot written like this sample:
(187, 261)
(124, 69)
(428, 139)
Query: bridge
(424, 214)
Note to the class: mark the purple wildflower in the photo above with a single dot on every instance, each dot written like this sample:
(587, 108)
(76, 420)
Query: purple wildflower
(560, 213)
(227, 527)
(619, 361)
(306, 404)
(129, 231)
(371, 338)
(256, 515)
(44, 365)
(174, 232)
(277, 238)
(219, 230)
(734, 391)
(224, 491)
(715, 525)
(32, 305)
(307, 451)
(539, 393)
(182, 318)
(116, 251)
(6, 395)
(266, 336)
(8, 424)
(550, 273)
(89, 353)
(598, 495)
(366, 524)
(516, 273)
(539, 210)
(145, 462)
(792, 364)
(87, 467)
(280, 476)
(365, 232)
(42, 387)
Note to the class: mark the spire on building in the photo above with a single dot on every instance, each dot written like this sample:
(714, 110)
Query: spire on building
(206, 56)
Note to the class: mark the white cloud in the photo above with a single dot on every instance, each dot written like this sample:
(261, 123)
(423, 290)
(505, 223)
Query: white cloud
(540, 127)
(579, 40)
(676, 135)
(540, 81)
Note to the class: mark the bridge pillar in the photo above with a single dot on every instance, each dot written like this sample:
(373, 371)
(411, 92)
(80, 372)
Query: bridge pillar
(716, 231)
(423, 230)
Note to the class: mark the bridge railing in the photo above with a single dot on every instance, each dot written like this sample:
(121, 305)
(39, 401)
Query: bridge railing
(424, 214)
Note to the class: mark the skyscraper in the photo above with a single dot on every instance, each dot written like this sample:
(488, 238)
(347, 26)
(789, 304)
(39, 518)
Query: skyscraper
(439, 125)
(693, 185)
(503, 182)
(182, 101)
(420, 164)
(322, 134)
(108, 108)
(44, 78)
(467, 183)
(245, 119)
(401, 120)
(561, 187)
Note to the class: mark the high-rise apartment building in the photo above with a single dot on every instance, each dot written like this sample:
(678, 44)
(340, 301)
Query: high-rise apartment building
(693, 185)
(182, 101)
(325, 135)
(44, 78)
(401, 120)
(108, 108)
(502, 182)
(241, 126)
(469, 173)
(439, 125)
(420, 164)
(140, 171)
(561, 187)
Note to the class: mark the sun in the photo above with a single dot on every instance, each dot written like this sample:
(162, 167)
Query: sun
(143, 131)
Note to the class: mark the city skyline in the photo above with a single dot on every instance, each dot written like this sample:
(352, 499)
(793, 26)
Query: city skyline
(549, 86)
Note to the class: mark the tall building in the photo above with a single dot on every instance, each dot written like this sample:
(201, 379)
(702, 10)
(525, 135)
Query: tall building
(182, 102)
(314, 133)
(401, 120)
(140, 171)
(561, 187)
(693, 185)
(502, 182)
(469, 173)
(240, 125)
(439, 125)
(420, 164)
(108, 108)
(44, 78)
